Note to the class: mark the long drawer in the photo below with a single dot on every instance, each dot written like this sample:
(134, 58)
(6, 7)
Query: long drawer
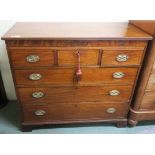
(82, 111)
(74, 94)
(67, 76)
(66, 57)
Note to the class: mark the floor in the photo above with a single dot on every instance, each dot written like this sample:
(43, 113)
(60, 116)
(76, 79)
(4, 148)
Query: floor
(10, 123)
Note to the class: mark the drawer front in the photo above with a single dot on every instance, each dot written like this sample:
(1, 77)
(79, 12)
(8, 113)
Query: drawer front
(31, 57)
(74, 94)
(122, 57)
(69, 57)
(148, 102)
(75, 111)
(67, 76)
(45, 57)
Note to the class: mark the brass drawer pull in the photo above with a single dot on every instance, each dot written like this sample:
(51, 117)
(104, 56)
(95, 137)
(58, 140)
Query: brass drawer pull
(114, 93)
(111, 110)
(32, 58)
(118, 75)
(122, 58)
(38, 94)
(35, 76)
(40, 112)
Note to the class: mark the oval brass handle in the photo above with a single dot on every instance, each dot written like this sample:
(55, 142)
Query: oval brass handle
(35, 76)
(111, 110)
(122, 58)
(118, 75)
(40, 112)
(37, 94)
(32, 58)
(114, 93)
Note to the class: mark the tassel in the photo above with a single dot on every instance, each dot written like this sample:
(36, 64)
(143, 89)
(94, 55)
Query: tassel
(78, 74)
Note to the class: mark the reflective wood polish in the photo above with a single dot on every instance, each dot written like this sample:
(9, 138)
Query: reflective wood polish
(44, 63)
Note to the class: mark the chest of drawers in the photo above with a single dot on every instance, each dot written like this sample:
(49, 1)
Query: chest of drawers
(75, 72)
(143, 106)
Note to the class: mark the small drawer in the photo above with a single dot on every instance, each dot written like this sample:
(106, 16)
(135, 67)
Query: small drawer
(75, 94)
(122, 57)
(31, 57)
(90, 75)
(69, 57)
(75, 112)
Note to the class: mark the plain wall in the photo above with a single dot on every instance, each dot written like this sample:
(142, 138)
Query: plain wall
(4, 62)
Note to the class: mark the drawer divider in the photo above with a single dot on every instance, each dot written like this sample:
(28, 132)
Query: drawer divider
(55, 58)
(100, 57)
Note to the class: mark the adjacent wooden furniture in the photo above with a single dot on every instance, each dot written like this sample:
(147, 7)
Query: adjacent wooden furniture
(3, 98)
(75, 72)
(143, 107)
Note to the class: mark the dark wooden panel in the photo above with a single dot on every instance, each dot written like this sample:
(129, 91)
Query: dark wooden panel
(78, 43)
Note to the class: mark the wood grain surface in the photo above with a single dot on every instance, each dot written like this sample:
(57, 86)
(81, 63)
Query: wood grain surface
(75, 94)
(66, 100)
(91, 75)
(75, 112)
(71, 31)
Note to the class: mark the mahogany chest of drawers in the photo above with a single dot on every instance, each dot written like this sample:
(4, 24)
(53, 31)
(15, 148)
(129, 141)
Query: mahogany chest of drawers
(143, 106)
(75, 72)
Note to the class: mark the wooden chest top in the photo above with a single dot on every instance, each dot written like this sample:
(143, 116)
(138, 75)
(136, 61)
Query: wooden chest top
(75, 31)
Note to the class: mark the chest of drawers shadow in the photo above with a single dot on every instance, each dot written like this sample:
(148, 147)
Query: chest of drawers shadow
(75, 72)
(3, 98)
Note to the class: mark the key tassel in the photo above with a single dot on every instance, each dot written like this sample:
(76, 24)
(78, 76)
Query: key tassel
(78, 74)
